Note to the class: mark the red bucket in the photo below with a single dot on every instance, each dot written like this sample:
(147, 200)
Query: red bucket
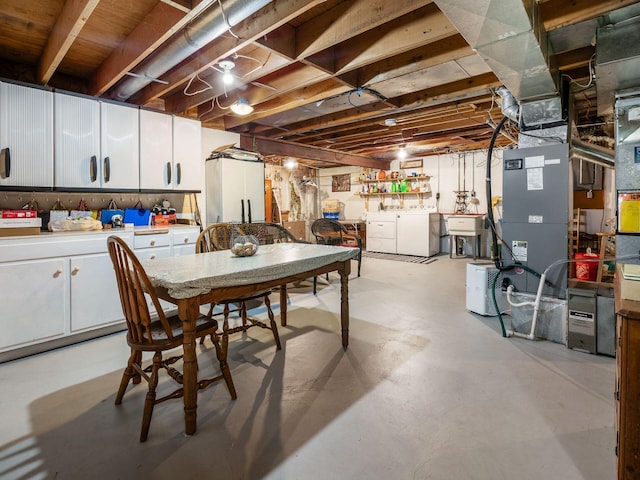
(587, 270)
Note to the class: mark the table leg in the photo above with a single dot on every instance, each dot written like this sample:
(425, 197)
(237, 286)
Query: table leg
(283, 305)
(344, 303)
(190, 366)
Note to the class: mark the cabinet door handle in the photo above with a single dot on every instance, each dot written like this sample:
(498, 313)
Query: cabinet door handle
(5, 163)
(75, 270)
(169, 172)
(152, 243)
(152, 257)
(107, 169)
(57, 273)
(186, 239)
(93, 168)
(178, 174)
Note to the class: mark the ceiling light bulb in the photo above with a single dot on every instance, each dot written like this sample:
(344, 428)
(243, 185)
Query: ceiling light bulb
(241, 107)
(226, 66)
(390, 122)
(290, 163)
(402, 153)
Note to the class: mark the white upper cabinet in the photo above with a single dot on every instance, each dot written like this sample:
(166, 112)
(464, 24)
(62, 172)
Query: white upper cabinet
(170, 157)
(188, 164)
(26, 136)
(120, 137)
(96, 144)
(156, 151)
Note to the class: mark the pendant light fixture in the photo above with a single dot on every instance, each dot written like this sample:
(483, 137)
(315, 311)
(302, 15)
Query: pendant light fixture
(241, 107)
(402, 152)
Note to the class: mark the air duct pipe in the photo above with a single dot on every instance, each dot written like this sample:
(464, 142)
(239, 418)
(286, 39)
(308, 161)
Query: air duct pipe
(592, 153)
(211, 24)
(510, 37)
(510, 107)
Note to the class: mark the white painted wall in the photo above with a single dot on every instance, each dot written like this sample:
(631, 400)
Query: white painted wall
(449, 173)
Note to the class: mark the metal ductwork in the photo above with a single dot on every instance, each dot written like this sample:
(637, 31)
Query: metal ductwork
(208, 26)
(617, 63)
(510, 38)
(592, 153)
(510, 107)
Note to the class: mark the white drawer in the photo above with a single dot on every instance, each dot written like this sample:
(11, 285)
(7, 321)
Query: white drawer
(151, 241)
(50, 245)
(184, 237)
(151, 253)
(381, 229)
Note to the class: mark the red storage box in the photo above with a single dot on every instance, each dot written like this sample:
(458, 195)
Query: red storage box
(19, 214)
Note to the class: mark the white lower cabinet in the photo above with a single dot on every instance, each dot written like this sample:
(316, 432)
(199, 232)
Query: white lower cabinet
(406, 233)
(95, 300)
(34, 298)
(58, 289)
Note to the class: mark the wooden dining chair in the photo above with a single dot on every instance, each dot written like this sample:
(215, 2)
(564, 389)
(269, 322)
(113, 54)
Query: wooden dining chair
(218, 237)
(147, 334)
(268, 233)
(331, 232)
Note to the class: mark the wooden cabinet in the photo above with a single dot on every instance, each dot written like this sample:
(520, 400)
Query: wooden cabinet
(26, 136)
(170, 152)
(627, 393)
(96, 144)
(298, 229)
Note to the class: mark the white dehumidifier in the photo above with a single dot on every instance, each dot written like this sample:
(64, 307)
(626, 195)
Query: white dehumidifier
(480, 277)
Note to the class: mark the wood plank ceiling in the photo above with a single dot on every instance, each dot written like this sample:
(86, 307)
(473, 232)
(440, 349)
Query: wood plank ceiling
(331, 82)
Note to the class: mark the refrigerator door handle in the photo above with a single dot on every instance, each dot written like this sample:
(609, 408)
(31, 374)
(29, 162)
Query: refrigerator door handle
(249, 207)
(242, 211)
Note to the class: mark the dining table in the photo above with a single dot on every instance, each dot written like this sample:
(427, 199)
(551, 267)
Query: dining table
(189, 281)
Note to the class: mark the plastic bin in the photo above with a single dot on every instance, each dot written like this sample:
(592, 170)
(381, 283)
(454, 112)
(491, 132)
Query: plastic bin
(331, 215)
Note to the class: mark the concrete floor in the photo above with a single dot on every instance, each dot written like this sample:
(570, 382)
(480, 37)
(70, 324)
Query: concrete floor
(426, 390)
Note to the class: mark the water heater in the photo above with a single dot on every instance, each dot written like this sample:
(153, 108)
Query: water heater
(535, 216)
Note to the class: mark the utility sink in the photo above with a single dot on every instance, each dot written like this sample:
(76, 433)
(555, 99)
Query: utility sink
(464, 224)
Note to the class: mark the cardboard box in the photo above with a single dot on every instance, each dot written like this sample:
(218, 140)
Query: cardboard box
(17, 232)
(630, 290)
(169, 219)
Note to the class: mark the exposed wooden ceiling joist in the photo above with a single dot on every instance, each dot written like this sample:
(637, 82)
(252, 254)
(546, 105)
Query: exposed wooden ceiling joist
(269, 146)
(317, 72)
(73, 17)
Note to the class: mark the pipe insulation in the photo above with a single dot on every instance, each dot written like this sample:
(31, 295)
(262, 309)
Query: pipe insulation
(205, 28)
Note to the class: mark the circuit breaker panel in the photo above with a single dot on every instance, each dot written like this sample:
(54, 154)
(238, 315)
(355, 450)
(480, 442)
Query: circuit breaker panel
(535, 222)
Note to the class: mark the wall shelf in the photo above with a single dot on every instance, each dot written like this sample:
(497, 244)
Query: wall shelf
(389, 194)
(408, 178)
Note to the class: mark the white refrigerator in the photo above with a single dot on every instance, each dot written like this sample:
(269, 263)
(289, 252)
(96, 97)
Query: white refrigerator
(234, 190)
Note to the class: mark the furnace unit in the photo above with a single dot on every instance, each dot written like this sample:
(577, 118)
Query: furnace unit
(535, 222)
